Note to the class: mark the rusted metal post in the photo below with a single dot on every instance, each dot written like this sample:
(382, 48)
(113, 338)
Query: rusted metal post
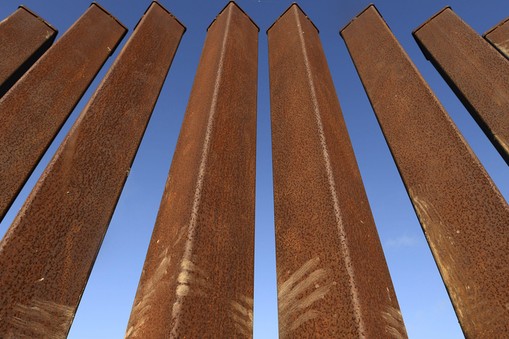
(498, 36)
(24, 37)
(333, 281)
(36, 107)
(47, 254)
(463, 215)
(477, 73)
(197, 280)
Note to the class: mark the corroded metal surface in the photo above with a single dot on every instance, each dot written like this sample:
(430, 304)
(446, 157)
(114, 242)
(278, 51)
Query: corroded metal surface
(35, 108)
(24, 37)
(498, 36)
(197, 281)
(333, 281)
(463, 215)
(47, 254)
(476, 72)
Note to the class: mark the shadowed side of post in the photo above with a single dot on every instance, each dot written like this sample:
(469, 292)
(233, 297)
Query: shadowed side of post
(333, 281)
(24, 37)
(36, 107)
(48, 252)
(197, 280)
(463, 215)
(475, 71)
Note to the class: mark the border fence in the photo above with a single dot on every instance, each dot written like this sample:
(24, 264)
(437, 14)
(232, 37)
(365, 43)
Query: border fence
(198, 277)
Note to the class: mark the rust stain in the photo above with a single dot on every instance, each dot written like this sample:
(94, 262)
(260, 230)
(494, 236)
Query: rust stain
(463, 215)
(59, 230)
(331, 215)
(206, 217)
(476, 72)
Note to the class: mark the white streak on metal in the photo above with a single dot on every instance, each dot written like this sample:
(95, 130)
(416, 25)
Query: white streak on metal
(242, 315)
(311, 280)
(297, 275)
(192, 281)
(188, 250)
(308, 315)
(394, 320)
(41, 319)
(437, 235)
(314, 296)
(140, 312)
(503, 47)
(344, 247)
(296, 294)
(182, 290)
(500, 139)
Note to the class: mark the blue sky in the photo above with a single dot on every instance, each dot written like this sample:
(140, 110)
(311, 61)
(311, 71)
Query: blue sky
(108, 297)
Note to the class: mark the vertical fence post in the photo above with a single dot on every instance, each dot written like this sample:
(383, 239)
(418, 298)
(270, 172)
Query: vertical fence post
(463, 215)
(34, 110)
(498, 36)
(197, 279)
(476, 72)
(24, 37)
(47, 254)
(333, 281)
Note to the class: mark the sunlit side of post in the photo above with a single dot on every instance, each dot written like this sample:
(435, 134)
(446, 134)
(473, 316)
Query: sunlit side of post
(333, 281)
(35, 108)
(48, 252)
(197, 280)
(463, 215)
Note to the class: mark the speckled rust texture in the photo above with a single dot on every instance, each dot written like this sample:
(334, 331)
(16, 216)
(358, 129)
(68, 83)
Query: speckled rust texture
(24, 37)
(48, 252)
(333, 281)
(498, 36)
(197, 281)
(476, 72)
(463, 215)
(36, 107)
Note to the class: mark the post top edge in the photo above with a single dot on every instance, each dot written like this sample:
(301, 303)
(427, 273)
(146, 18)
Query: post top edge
(38, 17)
(501, 23)
(293, 5)
(371, 5)
(154, 2)
(431, 18)
(233, 3)
(95, 3)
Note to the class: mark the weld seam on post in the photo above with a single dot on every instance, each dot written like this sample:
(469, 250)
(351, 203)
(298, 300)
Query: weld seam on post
(332, 187)
(201, 176)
